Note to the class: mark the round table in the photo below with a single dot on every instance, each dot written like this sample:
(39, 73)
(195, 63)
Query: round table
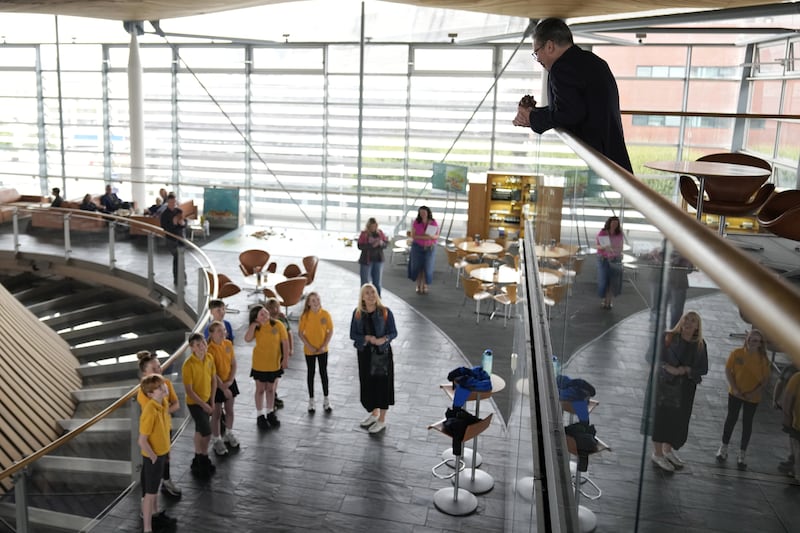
(505, 275)
(707, 171)
(551, 252)
(482, 248)
(548, 278)
(268, 280)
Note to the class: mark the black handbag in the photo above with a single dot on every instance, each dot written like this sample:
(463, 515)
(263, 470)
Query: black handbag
(379, 361)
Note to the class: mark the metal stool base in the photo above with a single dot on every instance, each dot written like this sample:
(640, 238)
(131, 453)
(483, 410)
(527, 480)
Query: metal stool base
(482, 483)
(445, 502)
(466, 458)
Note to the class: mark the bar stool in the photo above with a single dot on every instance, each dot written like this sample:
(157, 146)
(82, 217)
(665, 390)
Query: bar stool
(586, 517)
(566, 406)
(457, 501)
(471, 457)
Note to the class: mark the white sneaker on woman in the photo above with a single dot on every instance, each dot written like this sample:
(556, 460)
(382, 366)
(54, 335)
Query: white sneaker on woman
(662, 463)
(377, 427)
(673, 458)
(367, 422)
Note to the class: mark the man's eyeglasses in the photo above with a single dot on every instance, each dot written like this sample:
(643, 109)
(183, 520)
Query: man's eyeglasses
(535, 53)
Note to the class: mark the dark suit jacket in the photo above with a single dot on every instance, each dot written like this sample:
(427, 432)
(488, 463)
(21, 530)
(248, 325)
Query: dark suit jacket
(585, 101)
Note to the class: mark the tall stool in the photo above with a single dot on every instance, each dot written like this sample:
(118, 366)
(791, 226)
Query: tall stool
(566, 406)
(586, 517)
(471, 457)
(457, 501)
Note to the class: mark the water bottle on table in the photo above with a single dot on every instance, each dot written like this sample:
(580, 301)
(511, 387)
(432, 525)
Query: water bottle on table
(486, 361)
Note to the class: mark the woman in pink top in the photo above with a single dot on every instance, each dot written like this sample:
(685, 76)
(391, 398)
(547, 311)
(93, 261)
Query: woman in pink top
(609, 261)
(424, 232)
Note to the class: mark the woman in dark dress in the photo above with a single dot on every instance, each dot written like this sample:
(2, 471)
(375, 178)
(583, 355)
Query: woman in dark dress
(372, 329)
(684, 360)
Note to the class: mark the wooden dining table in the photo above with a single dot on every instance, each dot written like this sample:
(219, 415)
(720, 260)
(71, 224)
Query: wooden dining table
(707, 171)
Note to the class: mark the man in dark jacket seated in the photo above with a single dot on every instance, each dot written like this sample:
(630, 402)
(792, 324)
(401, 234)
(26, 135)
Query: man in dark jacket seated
(111, 201)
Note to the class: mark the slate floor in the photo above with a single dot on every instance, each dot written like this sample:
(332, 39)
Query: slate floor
(324, 472)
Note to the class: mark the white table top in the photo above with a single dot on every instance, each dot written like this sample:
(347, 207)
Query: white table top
(555, 252)
(548, 278)
(505, 275)
(482, 248)
(268, 280)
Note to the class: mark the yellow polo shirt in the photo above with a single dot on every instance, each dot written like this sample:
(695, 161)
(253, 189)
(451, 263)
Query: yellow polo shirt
(748, 369)
(199, 374)
(154, 422)
(223, 357)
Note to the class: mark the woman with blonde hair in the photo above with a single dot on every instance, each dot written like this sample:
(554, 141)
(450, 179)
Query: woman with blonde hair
(684, 362)
(748, 373)
(315, 331)
(372, 329)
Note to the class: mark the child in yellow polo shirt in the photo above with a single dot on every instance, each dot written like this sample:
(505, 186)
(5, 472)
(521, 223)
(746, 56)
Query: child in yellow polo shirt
(148, 364)
(200, 381)
(154, 442)
(315, 330)
(221, 349)
(748, 372)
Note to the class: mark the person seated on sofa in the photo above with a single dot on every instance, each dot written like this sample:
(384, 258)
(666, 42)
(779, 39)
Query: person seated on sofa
(57, 200)
(155, 209)
(88, 204)
(111, 201)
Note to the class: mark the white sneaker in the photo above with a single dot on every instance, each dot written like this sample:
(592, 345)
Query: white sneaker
(722, 453)
(741, 462)
(367, 422)
(230, 439)
(170, 487)
(311, 406)
(673, 458)
(377, 427)
(662, 463)
(219, 447)
(326, 405)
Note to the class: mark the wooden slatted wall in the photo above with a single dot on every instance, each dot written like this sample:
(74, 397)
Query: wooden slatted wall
(37, 375)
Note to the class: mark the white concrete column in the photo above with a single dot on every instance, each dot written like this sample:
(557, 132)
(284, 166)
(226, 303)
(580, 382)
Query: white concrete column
(136, 117)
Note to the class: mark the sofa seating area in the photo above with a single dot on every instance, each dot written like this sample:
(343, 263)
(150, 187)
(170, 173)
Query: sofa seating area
(11, 198)
(189, 212)
(53, 218)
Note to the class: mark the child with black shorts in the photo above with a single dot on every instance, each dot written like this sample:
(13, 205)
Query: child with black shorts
(275, 313)
(221, 349)
(271, 338)
(148, 364)
(154, 442)
(200, 382)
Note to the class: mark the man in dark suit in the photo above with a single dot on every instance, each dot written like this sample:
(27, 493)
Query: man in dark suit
(582, 91)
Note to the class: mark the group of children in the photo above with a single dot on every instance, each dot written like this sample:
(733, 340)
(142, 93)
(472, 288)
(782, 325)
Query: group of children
(209, 378)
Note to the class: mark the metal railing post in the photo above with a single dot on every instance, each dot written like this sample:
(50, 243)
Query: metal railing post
(151, 252)
(67, 241)
(21, 500)
(136, 462)
(180, 290)
(15, 225)
(112, 260)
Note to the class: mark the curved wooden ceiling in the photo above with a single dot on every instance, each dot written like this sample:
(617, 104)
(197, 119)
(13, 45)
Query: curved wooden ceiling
(166, 9)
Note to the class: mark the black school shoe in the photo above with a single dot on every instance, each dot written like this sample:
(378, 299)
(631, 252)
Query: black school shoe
(278, 403)
(162, 520)
(273, 420)
(261, 422)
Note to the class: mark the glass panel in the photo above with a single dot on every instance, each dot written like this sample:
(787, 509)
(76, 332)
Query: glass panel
(769, 59)
(462, 59)
(13, 56)
(149, 56)
(78, 57)
(288, 58)
(73, 85)
(217, 57)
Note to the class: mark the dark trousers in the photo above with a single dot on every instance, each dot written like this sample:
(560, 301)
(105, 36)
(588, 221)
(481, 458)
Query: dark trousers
(311, 361)
(734, 405)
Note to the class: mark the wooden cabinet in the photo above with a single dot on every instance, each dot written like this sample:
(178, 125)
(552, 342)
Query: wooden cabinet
(502, 205)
